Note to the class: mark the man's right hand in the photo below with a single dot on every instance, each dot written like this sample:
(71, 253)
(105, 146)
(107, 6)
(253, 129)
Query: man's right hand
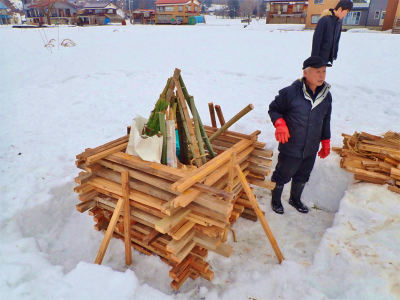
(282, 131)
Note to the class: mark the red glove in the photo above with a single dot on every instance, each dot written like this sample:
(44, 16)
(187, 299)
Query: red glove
(282, 131)
(325, 149)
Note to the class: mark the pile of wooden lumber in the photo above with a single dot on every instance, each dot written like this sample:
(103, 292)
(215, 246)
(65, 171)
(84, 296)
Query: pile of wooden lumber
(374, 159)
(177, 213)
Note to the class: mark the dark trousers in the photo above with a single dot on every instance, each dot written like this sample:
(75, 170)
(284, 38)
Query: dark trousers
(290, 167)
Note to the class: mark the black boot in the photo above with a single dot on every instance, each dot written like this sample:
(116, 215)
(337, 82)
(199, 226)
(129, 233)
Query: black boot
(276, 203)
(295, 195)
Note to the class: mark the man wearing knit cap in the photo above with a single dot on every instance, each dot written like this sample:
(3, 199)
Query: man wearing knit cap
(301, 114)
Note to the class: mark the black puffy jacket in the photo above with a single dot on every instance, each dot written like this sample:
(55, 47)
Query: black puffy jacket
(326, 36)
(308, 121)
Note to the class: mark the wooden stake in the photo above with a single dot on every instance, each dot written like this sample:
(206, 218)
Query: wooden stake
(212, 114)
(220, 115)
(109, 232)
(127, 219)
(259, 214)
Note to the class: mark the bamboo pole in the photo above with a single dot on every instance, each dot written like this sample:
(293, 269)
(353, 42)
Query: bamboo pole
(183, 142)
(186, 128)
(259, 214)
(197, 129)
(232, 121)
(161, 117)
(194, 111)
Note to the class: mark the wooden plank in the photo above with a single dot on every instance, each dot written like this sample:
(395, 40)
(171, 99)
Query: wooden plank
(88, 196)
(206, 169)
(260, 215)
(378, 149)
(176, 271)
(83, 178)
(264, 184)
(151, 237)
(91, 159)
(106, 146)
(260, 161)
(177, 235)
(184, 252)
(394, 189)
(369, 179)
(175, 246)
(84, 206)
(168, 222)
(127, 219)
(206, 241)
(110, 230)
(368, 173)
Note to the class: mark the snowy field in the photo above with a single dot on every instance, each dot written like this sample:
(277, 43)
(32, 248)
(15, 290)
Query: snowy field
(55, 103)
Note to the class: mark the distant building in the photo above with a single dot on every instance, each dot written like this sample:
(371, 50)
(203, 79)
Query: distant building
(143, 16)
(179, 10)
(286, 12)
(5, 18)
(63, 11)
(99, 13)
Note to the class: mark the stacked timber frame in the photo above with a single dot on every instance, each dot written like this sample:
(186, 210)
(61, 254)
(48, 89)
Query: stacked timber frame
(177, 213)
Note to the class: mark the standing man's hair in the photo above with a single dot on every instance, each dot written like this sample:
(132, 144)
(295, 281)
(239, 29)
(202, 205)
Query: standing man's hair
(344, 5)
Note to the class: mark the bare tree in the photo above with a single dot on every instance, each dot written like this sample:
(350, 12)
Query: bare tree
(47, 7)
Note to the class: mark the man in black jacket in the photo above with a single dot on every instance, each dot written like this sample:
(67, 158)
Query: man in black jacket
(327, 33)
(301, 114)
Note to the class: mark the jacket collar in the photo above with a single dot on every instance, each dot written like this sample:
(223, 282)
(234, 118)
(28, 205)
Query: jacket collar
(323, 92)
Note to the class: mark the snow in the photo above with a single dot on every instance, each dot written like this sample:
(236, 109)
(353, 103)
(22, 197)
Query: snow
(55, 103)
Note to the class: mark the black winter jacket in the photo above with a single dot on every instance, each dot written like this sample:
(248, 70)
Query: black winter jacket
(308, 121)
(326, 36)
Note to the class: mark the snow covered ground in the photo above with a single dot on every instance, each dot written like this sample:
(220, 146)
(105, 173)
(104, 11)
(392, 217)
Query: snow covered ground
(55, 103)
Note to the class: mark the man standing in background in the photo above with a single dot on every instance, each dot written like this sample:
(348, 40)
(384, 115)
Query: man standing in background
(326, 37)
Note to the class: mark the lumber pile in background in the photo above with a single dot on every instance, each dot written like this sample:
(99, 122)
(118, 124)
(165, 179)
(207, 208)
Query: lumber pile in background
(374, 159)
(178, 213)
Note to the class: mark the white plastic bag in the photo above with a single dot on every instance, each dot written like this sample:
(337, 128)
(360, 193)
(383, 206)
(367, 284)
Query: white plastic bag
(143, 146)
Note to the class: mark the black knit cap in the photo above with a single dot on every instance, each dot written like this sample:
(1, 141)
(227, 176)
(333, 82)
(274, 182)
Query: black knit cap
(315, 62)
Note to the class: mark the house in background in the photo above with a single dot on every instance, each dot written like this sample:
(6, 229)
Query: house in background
(63, 12)
(143, 16)
(5, 18)
(179, 10)
(286, 12)
(100, 13)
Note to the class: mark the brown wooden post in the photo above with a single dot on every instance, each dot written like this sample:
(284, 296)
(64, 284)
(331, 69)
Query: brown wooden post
(259, 214)
(109, 232)
(127, 218)
(212, 114)
(220, 115)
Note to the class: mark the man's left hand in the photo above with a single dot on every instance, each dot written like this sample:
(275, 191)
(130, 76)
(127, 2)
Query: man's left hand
(325, 149)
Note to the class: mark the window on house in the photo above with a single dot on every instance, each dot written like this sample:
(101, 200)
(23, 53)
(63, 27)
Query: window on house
(68, 13)
(179, 18)
(169, 8)
(318, 1)
(189, 8)
(195, 8)
(180, 8)
(284, 8)
(160, 9)
(110, 11)
(376, 14)
(315, 19)
(352, 18)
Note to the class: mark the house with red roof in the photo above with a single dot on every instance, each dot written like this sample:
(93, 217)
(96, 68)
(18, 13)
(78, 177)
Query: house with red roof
(50, 12)
(176, 10)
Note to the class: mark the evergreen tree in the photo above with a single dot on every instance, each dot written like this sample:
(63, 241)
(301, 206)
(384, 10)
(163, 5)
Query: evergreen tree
(233, 7)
